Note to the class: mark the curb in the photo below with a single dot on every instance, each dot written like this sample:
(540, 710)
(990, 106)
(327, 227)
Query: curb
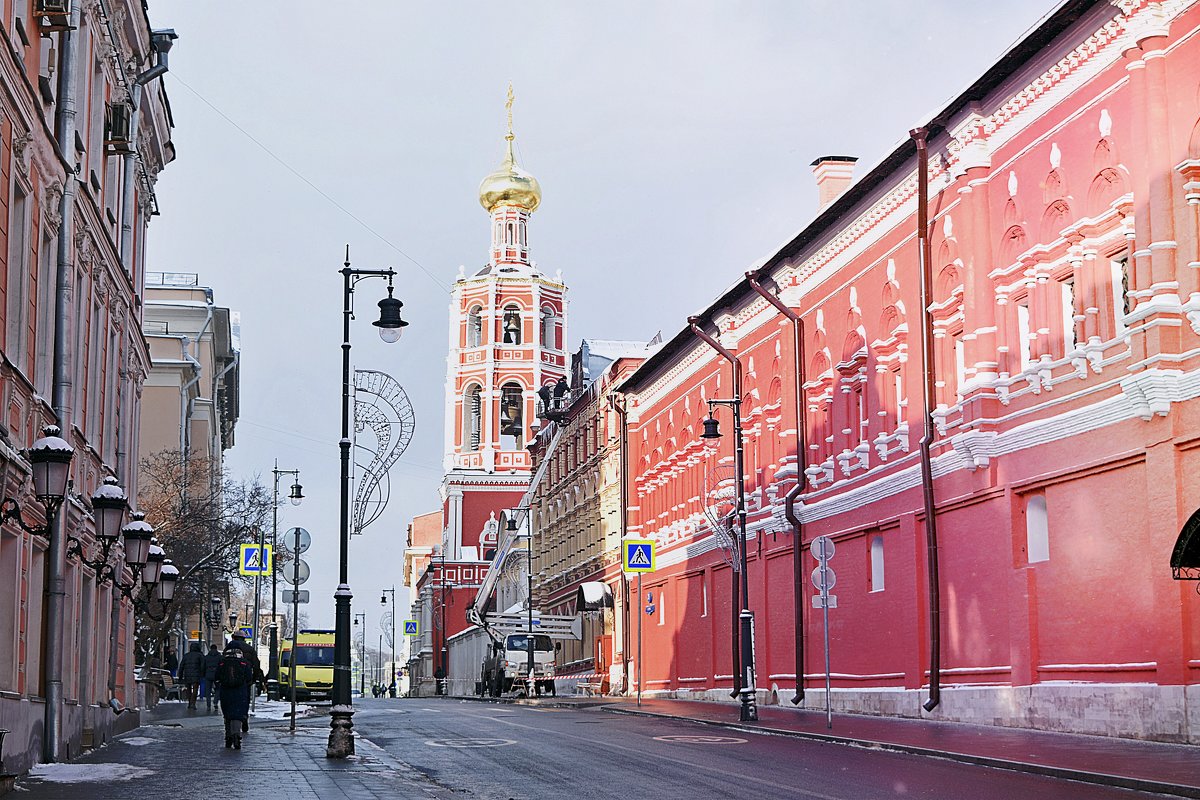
(1065, 773)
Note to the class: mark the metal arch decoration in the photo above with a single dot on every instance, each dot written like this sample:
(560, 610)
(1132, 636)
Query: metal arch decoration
(1185, 558)
(381, 405)
(720, 508)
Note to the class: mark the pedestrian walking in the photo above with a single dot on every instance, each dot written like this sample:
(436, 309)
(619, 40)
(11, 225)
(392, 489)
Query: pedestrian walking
(257, 677)
(170, 661)
(191, 672)
(234, 676)
(208, 687)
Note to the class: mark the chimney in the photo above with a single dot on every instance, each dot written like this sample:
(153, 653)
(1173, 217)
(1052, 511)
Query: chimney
(834, 174)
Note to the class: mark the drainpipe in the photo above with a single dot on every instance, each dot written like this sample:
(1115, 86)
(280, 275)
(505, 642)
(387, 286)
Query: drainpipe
(919, 136)
(789, 500)
(62, 391)
(743, 683)
(160, 42)
(619, 407)
(186, 406)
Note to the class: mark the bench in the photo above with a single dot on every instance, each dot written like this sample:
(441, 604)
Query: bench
(171, 688)
(596, 686)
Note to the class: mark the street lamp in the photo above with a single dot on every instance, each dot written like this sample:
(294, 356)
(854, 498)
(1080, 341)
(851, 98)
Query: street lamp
(50, 457)
(749, 710)
(294, 496)
(383, 602)
(390, 325)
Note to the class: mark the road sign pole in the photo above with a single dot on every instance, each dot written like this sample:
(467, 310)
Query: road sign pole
(825, 614)
(262, 563)
(295, 624)
(640, 614)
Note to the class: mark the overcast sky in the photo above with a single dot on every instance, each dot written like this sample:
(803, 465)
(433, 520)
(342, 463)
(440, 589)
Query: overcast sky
(672, 141)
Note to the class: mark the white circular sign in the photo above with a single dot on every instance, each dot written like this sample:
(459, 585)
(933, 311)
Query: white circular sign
(291, 576)
(822, 548)
(823, 578)
(289, 539)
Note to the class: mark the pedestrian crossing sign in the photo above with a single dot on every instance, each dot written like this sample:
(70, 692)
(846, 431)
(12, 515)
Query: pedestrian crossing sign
(255, 560)
(411, 628)
(639, 555)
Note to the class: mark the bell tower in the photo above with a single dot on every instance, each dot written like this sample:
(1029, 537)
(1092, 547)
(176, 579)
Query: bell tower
(507, 339)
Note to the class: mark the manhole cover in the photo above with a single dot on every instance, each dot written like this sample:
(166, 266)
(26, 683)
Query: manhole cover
(465, 743)
(697, 739)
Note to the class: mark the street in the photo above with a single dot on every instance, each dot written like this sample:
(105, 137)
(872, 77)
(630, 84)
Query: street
(449, 748)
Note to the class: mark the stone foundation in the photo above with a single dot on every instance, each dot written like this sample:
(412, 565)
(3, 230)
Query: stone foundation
(1133, 711)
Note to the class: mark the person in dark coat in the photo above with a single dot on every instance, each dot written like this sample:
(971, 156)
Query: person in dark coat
(234, 676)
(191, 672)
(208, 688)
(239, 639)
(170, 661)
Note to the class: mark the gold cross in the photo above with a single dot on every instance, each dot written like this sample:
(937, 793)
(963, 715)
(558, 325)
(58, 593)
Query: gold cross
(508, 107)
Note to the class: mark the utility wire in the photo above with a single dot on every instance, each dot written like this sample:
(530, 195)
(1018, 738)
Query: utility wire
(311, 185)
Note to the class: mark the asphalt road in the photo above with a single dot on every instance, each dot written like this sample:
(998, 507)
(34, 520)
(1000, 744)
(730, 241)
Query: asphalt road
(496, 752)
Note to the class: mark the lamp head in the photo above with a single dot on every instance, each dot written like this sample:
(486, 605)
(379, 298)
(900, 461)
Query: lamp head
(137, 536)
(166, 584)
(51, 459)
(712, 428)
(390, 325)
(297, 494)
(109, 505)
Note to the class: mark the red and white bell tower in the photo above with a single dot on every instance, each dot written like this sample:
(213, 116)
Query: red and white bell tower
(507, 333)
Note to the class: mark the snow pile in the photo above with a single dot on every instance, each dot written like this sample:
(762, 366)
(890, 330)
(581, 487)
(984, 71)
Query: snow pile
(88, 773)
(278, 709)
(139, 741)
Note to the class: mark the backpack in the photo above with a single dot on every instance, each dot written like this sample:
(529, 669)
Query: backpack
(233, 668)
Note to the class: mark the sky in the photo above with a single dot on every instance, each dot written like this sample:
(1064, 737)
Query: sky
(672, 141)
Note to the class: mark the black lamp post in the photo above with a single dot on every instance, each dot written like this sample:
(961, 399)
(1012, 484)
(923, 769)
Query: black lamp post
(362, 653)
(512, 529)
(749, 711)
(295, 496)
(383, 601)
(390, 325)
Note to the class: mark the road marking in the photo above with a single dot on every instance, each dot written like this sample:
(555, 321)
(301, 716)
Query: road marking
(697, 739)
(464, 743)
(642, 754)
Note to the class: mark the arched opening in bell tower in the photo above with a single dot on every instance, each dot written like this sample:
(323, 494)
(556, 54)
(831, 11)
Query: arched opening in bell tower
(512, 417)
(512, 324)
(472, 418)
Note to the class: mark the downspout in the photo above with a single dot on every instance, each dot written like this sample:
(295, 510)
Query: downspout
(789, 500)
(160, 42)
(925, 255)
(61, 391)
(737, 598)
(623, 489)
(187, 407)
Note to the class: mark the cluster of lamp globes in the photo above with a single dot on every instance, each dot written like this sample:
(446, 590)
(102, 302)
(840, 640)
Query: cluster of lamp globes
(50, 457)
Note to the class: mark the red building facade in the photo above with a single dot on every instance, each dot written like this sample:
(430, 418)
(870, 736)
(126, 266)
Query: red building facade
(1063, 202)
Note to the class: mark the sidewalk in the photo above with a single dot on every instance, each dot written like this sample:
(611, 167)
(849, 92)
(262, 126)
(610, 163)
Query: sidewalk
(180, 755)
(1172, 769)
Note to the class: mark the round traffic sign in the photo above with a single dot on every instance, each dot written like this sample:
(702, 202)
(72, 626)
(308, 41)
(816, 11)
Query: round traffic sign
(304, 542)
(293, 577)
(822, 548)
(823, 578)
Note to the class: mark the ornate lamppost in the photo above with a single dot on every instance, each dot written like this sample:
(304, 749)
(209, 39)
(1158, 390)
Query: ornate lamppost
(390, 325)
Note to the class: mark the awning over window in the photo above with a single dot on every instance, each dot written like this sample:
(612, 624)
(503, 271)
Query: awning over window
(593, 596)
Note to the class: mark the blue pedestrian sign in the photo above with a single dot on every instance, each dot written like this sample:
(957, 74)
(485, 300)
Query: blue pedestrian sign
(638, 555)
(255, 560)
(411, 628)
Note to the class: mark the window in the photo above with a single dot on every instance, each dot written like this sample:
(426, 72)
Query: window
(960, 364)
(512, 325)
(472, 419)
(512, 415)
(901, 400)
(876, 563)
(1120, 290)
(46, 290)
(1023, 333)
(1037, 529)
(662, 605)
(1068, 316)
(474, 327)
(703, 596)
(16, 324)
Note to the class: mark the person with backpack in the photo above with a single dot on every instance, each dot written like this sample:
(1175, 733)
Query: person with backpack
(234, 675)
(212, 660)
(258, 678)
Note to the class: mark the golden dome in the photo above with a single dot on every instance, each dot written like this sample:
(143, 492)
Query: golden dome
(510, 185)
